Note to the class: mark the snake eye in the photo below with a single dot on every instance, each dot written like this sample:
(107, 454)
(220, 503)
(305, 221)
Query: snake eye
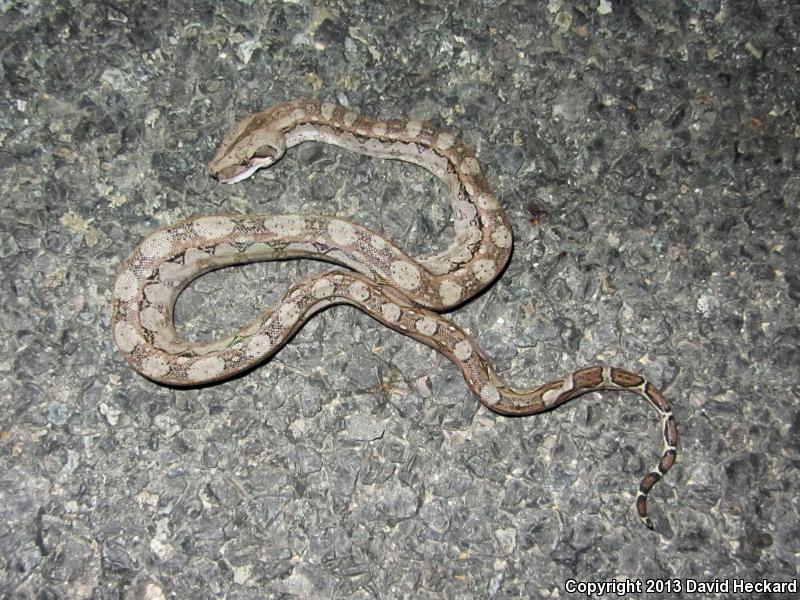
(265, 151)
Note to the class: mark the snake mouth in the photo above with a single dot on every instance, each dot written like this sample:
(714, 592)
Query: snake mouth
(236, 173)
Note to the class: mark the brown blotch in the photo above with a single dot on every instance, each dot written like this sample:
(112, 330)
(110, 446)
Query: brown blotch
(641, 506)
(625, 378)
(461, 150)
(361, 123)
(648, 481)
(671, 431)
(337, 117)
(395, 129)
(310, 107)
(427, 135)
(589, 377)
(656, 396)
(666, 461)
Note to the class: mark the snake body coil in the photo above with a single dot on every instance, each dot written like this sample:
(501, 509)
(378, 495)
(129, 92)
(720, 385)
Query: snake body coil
(400, 291)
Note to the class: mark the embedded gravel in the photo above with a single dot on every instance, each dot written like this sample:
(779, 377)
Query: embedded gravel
(647, 154)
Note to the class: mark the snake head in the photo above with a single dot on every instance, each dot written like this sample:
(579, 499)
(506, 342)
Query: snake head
(249, 146)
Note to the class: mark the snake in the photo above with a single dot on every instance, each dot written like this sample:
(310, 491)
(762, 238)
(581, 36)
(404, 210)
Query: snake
(402, 292)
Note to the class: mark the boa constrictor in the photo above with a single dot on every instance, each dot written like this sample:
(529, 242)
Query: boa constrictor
(400, 291)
